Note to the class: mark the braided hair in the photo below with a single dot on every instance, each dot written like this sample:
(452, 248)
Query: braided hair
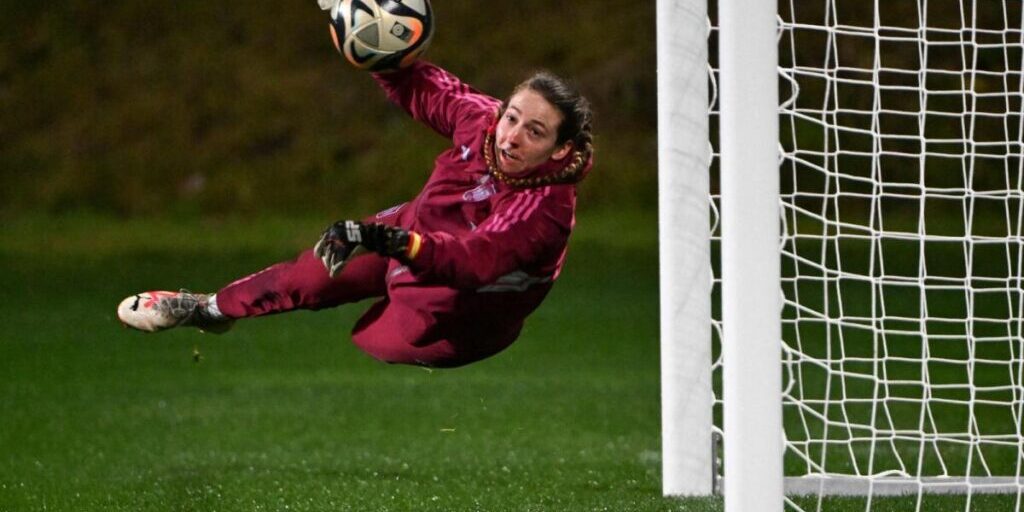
(577, 119)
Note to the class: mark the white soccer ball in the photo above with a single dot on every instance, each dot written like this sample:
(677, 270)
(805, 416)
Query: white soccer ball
(380, 35)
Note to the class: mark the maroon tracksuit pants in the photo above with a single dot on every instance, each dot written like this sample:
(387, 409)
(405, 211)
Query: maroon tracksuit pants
(390, 331)
(393, 330)
(303, 283)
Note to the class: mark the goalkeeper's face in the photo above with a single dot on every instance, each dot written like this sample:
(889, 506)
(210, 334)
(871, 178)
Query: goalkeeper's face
(527, 133)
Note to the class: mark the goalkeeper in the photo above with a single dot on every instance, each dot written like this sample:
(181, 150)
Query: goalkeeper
(458, 268)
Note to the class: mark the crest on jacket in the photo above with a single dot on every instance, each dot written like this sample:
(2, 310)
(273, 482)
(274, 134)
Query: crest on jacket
(482, 191)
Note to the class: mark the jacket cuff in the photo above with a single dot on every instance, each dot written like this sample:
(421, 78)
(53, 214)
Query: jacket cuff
(418, 253)
(415, 244)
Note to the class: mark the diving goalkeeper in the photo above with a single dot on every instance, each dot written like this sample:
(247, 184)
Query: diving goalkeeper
(459, 267)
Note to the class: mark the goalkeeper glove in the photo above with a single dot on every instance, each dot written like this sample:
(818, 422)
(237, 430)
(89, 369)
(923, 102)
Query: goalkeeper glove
(340, 241)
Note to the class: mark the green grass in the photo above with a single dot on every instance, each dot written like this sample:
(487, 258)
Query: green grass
(283, 413)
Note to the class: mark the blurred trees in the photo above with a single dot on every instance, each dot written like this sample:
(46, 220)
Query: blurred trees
(197, 106)
(191, 106)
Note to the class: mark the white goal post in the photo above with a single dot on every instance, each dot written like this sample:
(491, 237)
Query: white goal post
(754, 454)
(866, 185)
(683, 158)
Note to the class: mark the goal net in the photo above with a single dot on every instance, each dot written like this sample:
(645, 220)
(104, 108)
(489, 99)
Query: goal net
(902, 205)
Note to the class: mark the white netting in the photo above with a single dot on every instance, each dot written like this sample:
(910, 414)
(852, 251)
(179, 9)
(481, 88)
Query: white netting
(902, 201)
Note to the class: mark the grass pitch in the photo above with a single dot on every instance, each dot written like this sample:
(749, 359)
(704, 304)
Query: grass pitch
(283, 413)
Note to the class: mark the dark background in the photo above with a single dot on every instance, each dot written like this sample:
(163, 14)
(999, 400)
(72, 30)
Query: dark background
(193, 106)
(213, 108)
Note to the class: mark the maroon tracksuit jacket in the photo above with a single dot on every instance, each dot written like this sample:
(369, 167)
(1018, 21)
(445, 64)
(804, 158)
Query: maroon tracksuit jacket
(489, 255)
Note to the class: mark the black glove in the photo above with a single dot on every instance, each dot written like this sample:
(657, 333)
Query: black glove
(384, 240)
(341, 241)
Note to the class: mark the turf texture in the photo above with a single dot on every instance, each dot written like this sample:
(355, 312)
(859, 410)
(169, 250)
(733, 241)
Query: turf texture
(283, 413)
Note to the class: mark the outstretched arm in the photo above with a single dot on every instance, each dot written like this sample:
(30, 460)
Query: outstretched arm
(516, 237)
(434, 96)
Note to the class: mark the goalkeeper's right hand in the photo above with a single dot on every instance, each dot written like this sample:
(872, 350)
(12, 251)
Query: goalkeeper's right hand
(337, 245)
(346, 239)
(327, 5)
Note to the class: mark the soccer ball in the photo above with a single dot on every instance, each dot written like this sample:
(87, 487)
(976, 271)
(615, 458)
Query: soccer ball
(379, 35)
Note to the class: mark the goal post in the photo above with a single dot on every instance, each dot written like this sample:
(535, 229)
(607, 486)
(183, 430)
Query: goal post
(866, 184)
(751, 301)
(753, 417)
(684, 154)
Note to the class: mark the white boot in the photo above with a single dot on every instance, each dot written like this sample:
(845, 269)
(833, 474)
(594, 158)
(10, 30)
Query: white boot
(159, 310)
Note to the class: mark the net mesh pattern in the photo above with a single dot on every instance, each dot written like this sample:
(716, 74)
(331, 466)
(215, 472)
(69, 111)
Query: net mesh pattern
(901, 212)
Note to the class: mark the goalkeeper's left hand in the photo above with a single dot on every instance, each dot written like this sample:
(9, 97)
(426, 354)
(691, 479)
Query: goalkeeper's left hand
(339, 242)
(326, 5)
